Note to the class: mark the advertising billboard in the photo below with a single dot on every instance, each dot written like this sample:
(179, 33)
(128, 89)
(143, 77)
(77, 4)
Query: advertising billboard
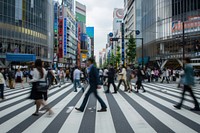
(60, 39)
(192, 24)
(90, 31)
(65, 37)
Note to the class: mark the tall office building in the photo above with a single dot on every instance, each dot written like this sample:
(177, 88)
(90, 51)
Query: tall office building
(90, 33)
(162, 30)
(82, 36)
(26, 27)
(67, 41)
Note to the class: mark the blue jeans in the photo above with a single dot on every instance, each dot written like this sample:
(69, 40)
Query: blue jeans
(77, 81)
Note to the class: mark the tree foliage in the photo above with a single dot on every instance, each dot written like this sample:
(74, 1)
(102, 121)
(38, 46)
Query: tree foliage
(131, 50)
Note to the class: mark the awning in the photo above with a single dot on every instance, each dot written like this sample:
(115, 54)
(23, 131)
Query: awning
(145, 60)
(20, 57)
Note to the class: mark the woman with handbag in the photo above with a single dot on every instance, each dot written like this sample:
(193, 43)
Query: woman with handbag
(18, 78)
(39, 92)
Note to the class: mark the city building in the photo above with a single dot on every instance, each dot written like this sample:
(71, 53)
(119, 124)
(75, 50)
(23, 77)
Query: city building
(132, 22)
(26, 31)
(89, 54)
(82, 36)
(90, 33)
(171, 31)
(55, 27)
(67, 41)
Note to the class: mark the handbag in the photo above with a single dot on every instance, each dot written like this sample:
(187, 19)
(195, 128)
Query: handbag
(42, 86)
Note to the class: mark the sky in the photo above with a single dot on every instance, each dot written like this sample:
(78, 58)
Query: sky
(99, 13)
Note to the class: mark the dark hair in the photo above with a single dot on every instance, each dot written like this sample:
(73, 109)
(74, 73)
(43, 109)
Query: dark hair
(188, 60)
(91, 60)
(38, 65)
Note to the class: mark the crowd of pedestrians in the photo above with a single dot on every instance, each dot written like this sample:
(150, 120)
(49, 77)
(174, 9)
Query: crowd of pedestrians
(38, 76)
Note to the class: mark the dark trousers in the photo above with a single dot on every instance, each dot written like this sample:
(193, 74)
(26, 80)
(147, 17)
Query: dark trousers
(120, 81)
(2, 90)
(189, 89)
(114, 86)
(139, 85)
(92, 90)
(165, 77)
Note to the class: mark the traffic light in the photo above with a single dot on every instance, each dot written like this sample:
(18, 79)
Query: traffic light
(114, 39)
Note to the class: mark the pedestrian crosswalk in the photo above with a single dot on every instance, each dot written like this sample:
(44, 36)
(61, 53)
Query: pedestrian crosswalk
(148, 112)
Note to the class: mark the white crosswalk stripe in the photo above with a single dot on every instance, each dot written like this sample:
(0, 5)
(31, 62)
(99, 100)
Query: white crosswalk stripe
(141, 111)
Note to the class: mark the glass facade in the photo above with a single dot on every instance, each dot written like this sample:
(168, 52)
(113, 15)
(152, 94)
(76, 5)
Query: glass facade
(162, 28)
(24, 27)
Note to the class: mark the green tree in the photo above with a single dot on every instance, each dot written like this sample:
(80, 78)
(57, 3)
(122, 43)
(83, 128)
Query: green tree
(118, 56)
(131, 50)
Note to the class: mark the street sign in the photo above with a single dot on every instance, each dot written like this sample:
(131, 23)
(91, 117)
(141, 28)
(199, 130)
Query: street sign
(137, 32)
(110, 34)
(114, 39)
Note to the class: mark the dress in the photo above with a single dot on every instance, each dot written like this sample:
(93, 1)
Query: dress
(34, 93)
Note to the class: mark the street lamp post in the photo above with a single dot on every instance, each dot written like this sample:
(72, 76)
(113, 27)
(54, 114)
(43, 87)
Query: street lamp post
(142, 53)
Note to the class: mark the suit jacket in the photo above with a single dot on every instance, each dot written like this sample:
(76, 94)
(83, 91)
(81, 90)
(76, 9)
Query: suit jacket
(93, 77)
(111, 74)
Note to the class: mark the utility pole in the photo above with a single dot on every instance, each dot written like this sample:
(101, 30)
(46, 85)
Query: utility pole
(123, 43)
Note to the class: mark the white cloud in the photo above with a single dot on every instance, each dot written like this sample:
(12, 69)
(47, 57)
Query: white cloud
(99, 14)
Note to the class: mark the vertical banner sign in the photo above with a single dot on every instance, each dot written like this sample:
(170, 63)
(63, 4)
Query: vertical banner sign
(122, 28)
(65, 37)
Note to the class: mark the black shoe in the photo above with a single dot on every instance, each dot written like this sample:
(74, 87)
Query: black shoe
(114, 92)
(195, 109)
(83, 90)
(35, 114)
(136, 91)
(144, 91)
(177, 106)
(75, 90)
(79, 109)
(102, 110)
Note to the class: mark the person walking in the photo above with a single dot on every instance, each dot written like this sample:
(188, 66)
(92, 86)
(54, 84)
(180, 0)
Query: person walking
(67, 74)
(122, 78)
(165, 75)
(101, 75)
(19, 77)
(111, 79)
(11, 77)
(2, 84)
(39, 74)
(105, 76)
(77, 74)
(139, 80)
(188, 81)
(61, 77)
(129, 73)
(94, 85)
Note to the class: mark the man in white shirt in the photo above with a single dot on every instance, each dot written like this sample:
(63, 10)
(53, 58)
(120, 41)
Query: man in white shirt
(105, 75)
(101, 75)
(76, 75)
